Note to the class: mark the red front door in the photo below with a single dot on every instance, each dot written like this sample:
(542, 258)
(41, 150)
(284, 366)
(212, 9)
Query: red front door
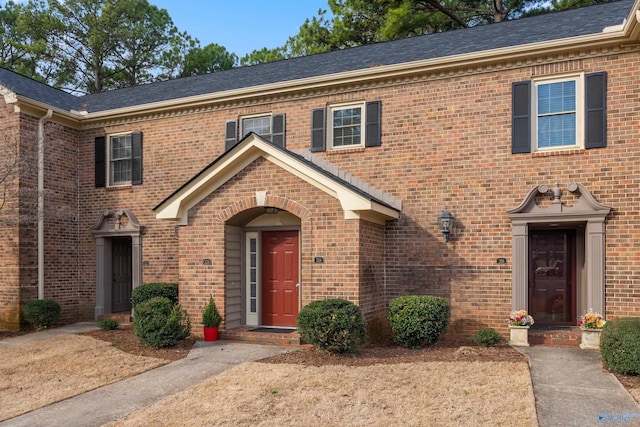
(280, 278)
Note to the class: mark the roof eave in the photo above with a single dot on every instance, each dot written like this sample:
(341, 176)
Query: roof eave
(37, 108)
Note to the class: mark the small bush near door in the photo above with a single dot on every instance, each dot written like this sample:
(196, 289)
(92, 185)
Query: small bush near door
(159, 323)
(108, 324)
(146, 291)
(335, 325)
(418, 319)
(620, 345)
(41, 313)
(487, 337)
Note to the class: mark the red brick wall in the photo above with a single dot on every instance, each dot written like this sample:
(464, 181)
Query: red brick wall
(324, 232)
(9, 243)
(446, 143)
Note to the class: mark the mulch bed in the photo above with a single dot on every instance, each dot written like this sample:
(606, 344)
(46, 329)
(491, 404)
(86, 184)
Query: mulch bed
(124, 339)
(373, 354)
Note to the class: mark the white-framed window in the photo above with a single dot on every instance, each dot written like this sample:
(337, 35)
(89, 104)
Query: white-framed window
(346, 126)
(558, 113)
(120, 153)
(118, 159)
(268, 126)
(260, 125)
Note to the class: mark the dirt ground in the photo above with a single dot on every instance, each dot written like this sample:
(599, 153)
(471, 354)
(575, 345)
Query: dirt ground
(409, 394)
(36, 374)
(381, 353)
(380, 382)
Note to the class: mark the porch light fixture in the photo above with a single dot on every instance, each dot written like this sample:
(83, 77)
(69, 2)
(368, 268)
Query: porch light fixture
(446, 221)
(271, 210)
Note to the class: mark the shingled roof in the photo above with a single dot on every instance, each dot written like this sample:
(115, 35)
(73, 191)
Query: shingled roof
(37, 91)
(542, 28)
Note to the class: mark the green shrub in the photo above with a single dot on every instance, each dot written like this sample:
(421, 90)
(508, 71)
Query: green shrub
(487, 337)
(418, 320)
(620, 345)
(147, 291)
(159, 323)
(41, 313)
(108, 324)
(335, 325)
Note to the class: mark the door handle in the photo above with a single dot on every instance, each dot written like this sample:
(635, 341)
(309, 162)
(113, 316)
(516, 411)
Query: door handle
(297, 285)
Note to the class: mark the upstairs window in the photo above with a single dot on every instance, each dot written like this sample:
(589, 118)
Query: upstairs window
(558, 117)
(258, 125)
(346, 129)
(120, 160)
(118, 157)
(346, 126)
(270, 127)
(554, 114)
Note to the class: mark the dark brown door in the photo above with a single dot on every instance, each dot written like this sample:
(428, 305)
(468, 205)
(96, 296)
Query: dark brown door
(280, 278)
(552, 276)
(120, 274)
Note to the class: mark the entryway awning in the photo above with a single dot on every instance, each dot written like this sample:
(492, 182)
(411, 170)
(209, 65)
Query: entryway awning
(358, 199)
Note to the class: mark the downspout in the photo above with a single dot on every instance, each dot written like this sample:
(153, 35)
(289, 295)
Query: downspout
(41, 123)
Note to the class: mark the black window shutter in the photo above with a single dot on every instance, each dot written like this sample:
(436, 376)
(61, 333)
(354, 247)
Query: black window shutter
(100, 155)
(136, 158)
(373, 124)
(318, 133)
(596, 110)
(521, 117)
(278, 130)
(231, 134)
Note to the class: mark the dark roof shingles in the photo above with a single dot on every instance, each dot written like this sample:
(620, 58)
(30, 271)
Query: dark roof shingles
(552, 26)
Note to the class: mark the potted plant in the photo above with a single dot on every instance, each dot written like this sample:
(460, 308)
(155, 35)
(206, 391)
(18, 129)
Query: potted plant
(211, 320)
(519, 323)
(591, 325)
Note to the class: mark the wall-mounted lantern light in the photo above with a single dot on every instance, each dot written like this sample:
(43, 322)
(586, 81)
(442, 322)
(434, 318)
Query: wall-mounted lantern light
(446, 221)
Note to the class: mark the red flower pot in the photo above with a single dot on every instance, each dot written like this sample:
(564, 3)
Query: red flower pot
(211, 334)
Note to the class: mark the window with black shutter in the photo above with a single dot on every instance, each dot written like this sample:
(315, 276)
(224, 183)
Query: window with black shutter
(268, 126)
(551, 114)
(118, 160)
(346, 126)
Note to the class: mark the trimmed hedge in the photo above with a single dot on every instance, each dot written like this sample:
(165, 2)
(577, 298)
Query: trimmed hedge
(417, 320)
(41, 313)
(146, 291)
(335, 325)
(620, 345)
(487, 337)
(159, 323)
(109, 324)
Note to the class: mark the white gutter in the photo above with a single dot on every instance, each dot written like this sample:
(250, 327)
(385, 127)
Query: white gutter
(41, 123)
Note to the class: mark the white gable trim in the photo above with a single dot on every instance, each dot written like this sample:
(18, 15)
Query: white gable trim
(247, 151)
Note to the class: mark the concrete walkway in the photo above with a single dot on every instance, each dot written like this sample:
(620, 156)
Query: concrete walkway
(572, 389)
(108, 403)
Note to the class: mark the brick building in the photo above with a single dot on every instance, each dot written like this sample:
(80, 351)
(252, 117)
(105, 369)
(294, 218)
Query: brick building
(325, 176)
